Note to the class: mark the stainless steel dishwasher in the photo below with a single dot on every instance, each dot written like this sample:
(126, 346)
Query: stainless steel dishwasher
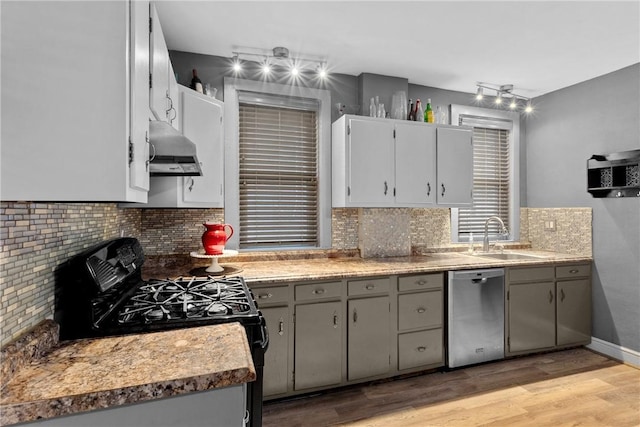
(475, 316)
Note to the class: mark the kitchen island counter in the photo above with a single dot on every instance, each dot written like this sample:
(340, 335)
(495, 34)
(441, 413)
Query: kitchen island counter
(89, 374)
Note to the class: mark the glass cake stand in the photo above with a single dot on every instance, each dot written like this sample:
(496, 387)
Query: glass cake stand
(214, 267)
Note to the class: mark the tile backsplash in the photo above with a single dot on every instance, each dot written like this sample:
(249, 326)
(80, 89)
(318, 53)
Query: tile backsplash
(37, 237)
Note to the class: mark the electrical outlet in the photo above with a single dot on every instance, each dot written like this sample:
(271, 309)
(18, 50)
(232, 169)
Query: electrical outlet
(550, 225)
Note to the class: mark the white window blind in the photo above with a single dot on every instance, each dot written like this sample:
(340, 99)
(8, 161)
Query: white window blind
(491, 181)
(278, 172)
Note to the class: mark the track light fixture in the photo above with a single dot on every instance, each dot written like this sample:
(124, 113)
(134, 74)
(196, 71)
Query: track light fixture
(279, 57)
(504, 93)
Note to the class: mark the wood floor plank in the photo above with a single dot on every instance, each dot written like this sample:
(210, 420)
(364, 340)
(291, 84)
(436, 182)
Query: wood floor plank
(575, 387)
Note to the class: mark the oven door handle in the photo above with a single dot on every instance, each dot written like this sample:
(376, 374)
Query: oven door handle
(264, 343)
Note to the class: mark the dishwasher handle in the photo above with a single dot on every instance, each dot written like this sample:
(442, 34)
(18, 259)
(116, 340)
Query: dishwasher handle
(479, 281)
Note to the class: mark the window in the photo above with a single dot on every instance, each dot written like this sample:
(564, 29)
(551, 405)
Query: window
(277, 166)
(495, 174)
(278, 174)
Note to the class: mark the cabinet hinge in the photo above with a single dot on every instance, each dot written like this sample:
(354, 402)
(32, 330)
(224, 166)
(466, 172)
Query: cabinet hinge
(130, 151)
(394, 191)
(150, 25)
(150, 80)
(389, 360)
(348, 130)
(509, 343)
(394, 134)
(507, 295)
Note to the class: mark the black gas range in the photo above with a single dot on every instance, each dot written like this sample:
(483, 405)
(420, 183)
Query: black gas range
(100, 292)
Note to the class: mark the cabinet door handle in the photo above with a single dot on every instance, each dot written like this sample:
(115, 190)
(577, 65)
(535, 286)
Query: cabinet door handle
(281, 327)
(550, 297)
(561, 295)
(355, 316)
(421, 310)
(191, 182)
(443, 190)
(335, 320)
(386, 188)
(264, 296)
(319, 291)
(370, 287)
(428, 189)
(422, 349)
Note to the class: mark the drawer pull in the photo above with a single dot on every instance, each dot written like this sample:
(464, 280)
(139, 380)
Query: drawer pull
(422, 349)
(370, 287)
(319, 291)
(421, 310)
(574, 271)
(421, 282)
(264, 296)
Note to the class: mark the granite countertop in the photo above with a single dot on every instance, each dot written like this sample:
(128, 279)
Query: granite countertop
(88, 374)
(333, 266)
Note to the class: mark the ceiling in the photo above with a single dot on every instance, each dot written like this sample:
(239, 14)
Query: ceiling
(538, 46)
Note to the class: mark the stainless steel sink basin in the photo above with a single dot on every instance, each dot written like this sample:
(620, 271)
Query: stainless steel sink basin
(509, 256)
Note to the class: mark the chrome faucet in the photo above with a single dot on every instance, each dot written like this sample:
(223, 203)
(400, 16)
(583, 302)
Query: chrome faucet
(485, 241)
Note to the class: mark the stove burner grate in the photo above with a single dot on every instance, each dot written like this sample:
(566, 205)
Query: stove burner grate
(166, 300)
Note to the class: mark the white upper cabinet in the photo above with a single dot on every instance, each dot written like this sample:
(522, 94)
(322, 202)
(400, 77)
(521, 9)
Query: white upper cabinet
(71, 91)
(415, 164)
(395, 163)
(201, 120)
(455, 166)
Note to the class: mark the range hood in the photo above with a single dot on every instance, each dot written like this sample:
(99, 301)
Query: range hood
(171, 153)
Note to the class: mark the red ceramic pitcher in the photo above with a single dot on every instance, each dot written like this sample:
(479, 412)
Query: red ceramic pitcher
(215, 237)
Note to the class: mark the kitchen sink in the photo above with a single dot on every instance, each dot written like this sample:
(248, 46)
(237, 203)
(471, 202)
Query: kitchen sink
(509, 256)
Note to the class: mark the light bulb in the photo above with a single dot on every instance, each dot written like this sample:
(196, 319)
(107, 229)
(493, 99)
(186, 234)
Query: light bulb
(479, 94)
(529, 107)
(499, 98)
(514, 103)
(265, 68)
(322, 72)
(236, 66)
(295, 71)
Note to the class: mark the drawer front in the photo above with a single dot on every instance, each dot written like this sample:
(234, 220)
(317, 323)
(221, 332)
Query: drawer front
(420, 281)
(419, 310)
(368, 286)
(531, 274)
(316, 291)
(570, 271)
(271, 295)
(419, 349)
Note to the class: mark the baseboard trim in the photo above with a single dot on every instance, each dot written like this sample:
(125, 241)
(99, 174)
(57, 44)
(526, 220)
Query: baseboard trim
(615, 351)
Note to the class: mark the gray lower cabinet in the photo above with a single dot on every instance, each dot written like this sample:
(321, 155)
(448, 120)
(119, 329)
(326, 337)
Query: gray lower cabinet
(532, 316)
(420, 321)
(318, 343)
(276, 366)
(548, 307)
(368, 337)
(420, 348)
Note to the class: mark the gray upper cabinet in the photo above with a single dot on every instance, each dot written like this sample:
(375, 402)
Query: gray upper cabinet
(75, 75)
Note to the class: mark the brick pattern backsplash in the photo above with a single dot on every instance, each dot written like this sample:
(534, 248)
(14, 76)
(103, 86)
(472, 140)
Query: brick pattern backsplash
(175, 231)
(36, 238)
(384, 232)
(344, 228)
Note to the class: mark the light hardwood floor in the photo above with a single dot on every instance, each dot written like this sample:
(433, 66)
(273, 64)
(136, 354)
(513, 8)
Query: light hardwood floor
(574, 387)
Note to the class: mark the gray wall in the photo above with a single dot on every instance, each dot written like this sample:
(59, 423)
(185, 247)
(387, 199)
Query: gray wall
(213, 70)
(598, 116)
